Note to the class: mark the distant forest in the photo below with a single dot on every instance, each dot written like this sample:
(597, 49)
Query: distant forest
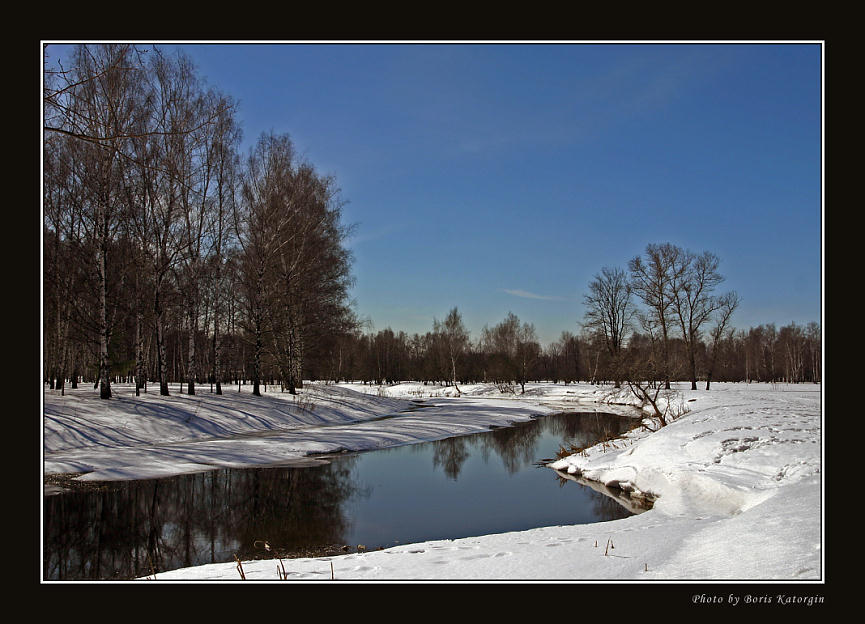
(764, 353)
(169, 257)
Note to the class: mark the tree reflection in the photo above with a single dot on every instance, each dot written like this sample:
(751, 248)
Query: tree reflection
(588, 428)
(451, 454)
(132, 529)
(514, 445)
(135, 528)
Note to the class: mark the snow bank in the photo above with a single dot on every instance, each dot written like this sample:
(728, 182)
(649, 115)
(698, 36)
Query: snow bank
(129, 437)
(732, 450)
(737, 479)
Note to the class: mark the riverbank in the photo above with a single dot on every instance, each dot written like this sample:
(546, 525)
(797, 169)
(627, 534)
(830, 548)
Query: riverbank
(738, 477)
(150, 436)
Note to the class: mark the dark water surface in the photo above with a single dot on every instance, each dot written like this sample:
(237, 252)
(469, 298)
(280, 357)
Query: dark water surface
(459, 487)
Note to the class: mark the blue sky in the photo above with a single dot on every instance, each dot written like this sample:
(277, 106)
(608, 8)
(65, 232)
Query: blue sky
(502, 177)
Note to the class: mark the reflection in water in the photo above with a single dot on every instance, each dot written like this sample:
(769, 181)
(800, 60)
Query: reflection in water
(514, 445)
(450, 454)
(608, 498)
(131, 529)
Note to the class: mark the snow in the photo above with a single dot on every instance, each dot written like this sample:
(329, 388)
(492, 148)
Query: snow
(736, 480)
(151, 436)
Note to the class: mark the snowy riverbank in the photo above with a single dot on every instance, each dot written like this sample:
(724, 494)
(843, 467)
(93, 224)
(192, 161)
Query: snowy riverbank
(738, 478)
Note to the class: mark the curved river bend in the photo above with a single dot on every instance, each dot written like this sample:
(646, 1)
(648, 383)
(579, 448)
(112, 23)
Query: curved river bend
(479, 484)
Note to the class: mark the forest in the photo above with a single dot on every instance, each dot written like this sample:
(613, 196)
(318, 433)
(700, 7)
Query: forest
(171, 258)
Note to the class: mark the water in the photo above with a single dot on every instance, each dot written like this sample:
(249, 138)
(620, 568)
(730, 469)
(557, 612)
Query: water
(459, 487)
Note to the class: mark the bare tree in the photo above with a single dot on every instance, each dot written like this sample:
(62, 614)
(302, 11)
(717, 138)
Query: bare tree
(161, 188)
(59, 289)
(261, 228)
(313, 272)
(225, 171)
(652, 278)
(527, 353)
(511, 351)
(141, 191)
(500, 346)
(196, 159)
(294, 267)
(101, 100)
(60, 87)
(695, 279)
(571, 353)
(643, 378)
(454, 340)
(814, 340)
(727, 304)
(609, 310)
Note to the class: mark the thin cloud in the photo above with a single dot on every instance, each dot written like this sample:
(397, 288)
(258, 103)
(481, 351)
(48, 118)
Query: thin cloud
(360, 237)
(530, 295)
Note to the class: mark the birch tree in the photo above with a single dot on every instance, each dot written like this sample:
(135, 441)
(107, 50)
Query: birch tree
(454, 341)
(225, 171)
(100, 101)
(262, 226)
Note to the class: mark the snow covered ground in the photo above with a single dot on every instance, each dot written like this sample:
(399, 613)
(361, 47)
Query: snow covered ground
(737, 478)
(150, 436)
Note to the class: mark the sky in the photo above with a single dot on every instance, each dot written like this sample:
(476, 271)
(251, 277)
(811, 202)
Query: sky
(501, 178)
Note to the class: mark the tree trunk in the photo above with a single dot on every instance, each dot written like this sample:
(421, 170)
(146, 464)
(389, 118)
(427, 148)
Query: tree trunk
(139, 353)
(297, 358)
(104, 331)
(454, 375)
(666, 355)
(217, 354)
(74, 383)
(161, 360)
(190, 371)
(216, 344)
(693, 365)
(712, 362)
(256, 361)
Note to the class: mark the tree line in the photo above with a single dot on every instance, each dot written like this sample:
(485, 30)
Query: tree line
(170, 257)
(660, 320)
(166, 255)
(509, 355)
